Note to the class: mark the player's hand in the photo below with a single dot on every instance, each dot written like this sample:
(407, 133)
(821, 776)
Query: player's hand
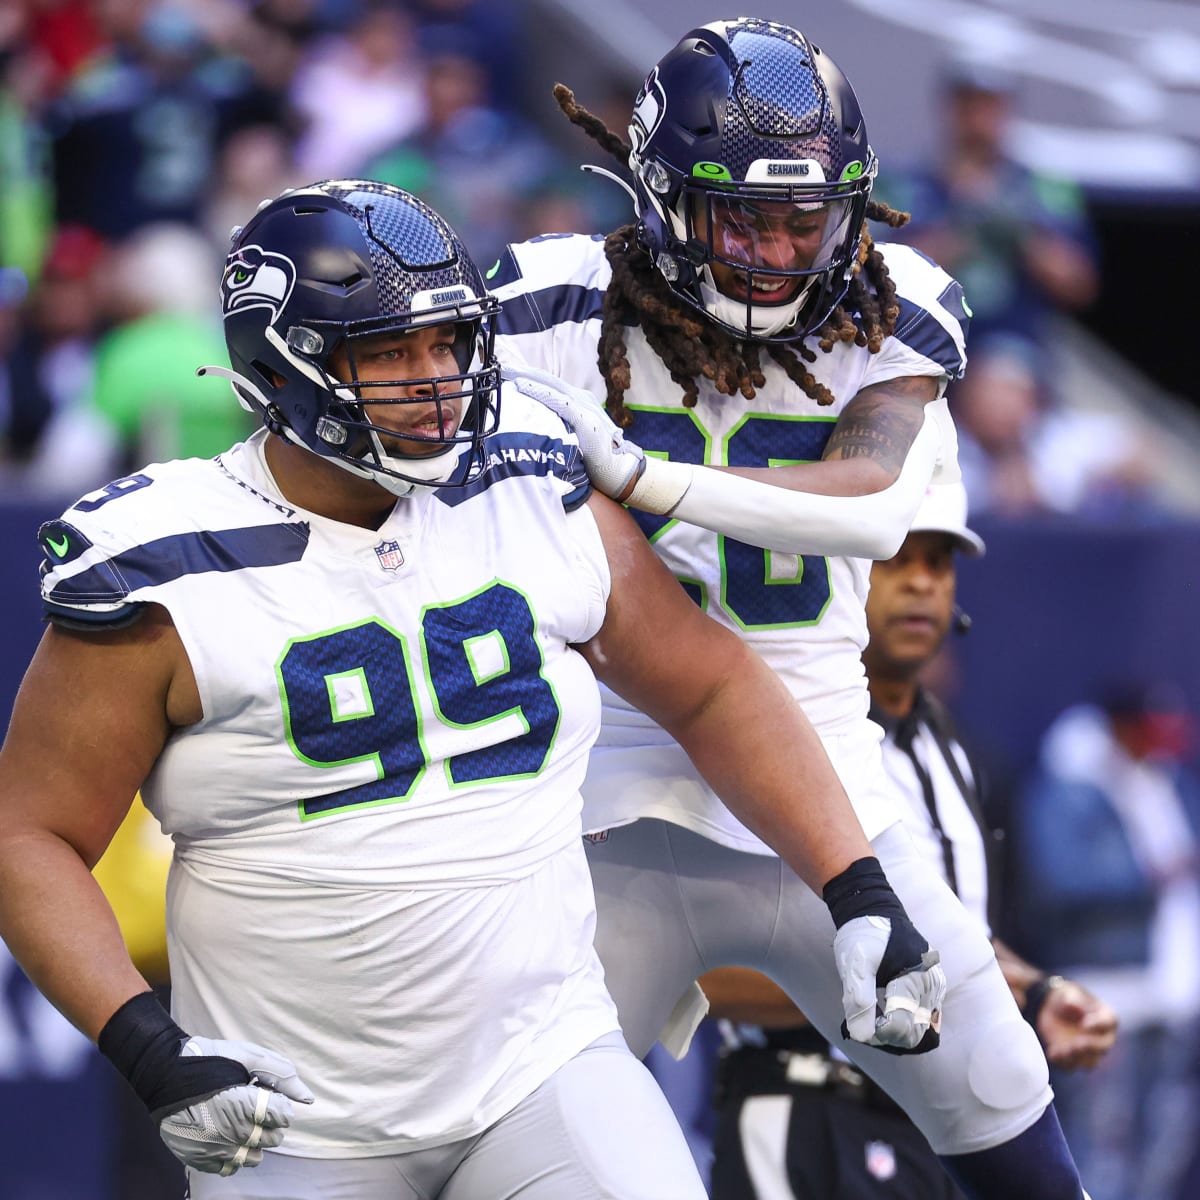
(223, 1131)
(893, 986)
(218, 1104)
(613, 464)
(1076, 1028)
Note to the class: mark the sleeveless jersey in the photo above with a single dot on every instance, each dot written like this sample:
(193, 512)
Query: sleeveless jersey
(392, 718)
(804, 614)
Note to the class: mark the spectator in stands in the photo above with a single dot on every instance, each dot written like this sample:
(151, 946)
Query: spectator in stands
(1018, 241)
(1021, 450)
(147, 392)
(256, 162)
(358, 91)
(63, 38)
(478, 165)
(135, 138)
(14, 432)
(49, 370)
(1108, 859)
(491, 33)
(27, 76)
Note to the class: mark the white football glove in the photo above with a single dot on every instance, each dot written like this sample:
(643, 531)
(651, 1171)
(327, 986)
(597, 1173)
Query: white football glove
(223, 1132)
(613, 464)
(893, 987)
(903, 1015)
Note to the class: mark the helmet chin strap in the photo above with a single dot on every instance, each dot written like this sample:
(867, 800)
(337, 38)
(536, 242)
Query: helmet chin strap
(765, 321)
(423, 472)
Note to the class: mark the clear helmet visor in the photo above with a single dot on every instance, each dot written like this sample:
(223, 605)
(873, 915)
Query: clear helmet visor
(767, 256)
(764, 249)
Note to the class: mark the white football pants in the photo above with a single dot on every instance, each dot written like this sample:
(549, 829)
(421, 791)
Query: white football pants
(597, 1129)
(672, 904)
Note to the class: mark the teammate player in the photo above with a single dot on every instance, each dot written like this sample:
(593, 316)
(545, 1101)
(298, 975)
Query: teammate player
(747, 321)
(347, 662)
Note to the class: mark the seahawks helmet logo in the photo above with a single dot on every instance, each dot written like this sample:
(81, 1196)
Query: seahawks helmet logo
(257, 278)
(648, 111)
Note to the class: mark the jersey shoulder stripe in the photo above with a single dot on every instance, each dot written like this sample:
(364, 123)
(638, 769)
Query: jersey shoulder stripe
(921, 331)
(169, 521)
(534, 312)
(549, 281)
(553, 258)
(166, 559)
(933, 316)
(531, 441)
(506, 455)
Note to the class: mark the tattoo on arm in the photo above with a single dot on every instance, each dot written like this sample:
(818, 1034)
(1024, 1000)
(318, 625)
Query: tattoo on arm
(881, 421)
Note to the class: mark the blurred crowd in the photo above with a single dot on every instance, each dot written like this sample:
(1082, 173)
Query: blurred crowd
(1106, 875)
(1022, 246)
(135, 133)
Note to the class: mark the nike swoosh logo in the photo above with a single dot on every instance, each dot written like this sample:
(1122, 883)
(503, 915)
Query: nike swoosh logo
(59, 548)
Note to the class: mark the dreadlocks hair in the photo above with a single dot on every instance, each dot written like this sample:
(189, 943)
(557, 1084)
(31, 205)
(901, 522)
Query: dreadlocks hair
(691, 347)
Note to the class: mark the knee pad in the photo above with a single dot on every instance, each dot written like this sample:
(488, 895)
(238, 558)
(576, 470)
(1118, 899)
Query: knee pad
(1007, 1072)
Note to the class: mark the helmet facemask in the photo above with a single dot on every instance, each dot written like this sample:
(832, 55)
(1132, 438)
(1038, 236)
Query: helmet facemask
(799, 240)
(459, 408)
(793, 243)
(752, 175)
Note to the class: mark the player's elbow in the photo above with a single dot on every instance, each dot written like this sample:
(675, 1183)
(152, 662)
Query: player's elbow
(878, 540)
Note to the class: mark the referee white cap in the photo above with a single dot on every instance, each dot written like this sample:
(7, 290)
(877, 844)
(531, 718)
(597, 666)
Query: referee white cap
(944, 510)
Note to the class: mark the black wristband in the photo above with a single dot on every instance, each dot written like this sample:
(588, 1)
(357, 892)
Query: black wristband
(860, 890)
(142, 1041)
(1035, 996)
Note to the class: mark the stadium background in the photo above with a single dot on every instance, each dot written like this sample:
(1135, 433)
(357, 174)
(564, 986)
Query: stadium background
(1061, 604)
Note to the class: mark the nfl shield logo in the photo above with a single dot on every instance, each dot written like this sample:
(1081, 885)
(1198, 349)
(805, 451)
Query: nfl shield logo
(881, 1160)
(389, 555)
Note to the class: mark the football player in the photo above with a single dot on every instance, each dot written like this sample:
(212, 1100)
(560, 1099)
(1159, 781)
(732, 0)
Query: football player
(781, 377)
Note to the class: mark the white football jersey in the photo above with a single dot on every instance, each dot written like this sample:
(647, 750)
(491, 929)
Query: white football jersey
(393, 719)
(803, 614)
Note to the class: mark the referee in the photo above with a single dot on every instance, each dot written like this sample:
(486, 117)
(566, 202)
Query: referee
(795, 1119)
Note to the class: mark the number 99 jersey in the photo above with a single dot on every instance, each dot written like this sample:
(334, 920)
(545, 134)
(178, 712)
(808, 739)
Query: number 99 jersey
(385, 777)
(804, 614)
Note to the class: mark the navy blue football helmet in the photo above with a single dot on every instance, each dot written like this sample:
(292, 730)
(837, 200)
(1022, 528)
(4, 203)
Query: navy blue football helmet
(750, 153)
(321, 267)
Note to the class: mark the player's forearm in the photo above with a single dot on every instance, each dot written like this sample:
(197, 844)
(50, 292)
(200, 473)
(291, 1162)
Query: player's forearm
(58, 925)
(774, 775)
(774, 508)
(1018, 974)
(840, 477)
